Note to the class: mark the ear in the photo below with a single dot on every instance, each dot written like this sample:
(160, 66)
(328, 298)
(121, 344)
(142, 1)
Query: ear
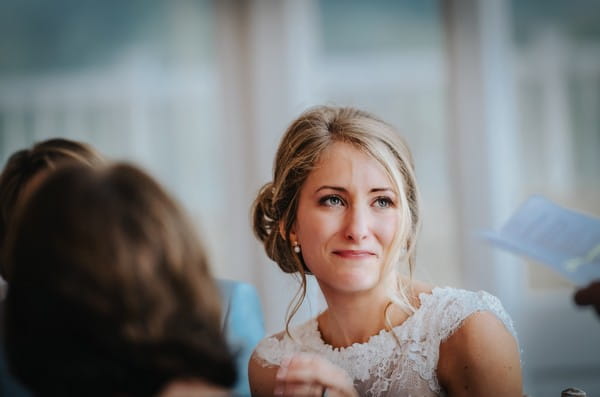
(282, 231)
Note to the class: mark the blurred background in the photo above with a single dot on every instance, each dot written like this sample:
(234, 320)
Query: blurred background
(499, 100)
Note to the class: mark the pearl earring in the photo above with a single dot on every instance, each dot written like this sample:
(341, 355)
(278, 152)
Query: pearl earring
(296, 247)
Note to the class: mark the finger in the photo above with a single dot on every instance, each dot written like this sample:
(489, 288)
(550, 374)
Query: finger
(305, 368)
(294, 385)
(302, 389)
(287, 388)
(310, 368)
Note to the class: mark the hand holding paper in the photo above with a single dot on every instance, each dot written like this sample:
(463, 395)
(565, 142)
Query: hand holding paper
(565, 240)
(589, 295)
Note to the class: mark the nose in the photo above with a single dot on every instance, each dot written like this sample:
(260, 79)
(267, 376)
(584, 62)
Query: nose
(357, 224)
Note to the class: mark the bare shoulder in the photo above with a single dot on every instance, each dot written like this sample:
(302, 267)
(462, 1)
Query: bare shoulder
(261, 377)
(262, 374)
(480, 358)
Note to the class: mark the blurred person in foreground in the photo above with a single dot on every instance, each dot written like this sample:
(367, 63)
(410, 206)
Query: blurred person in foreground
(110, 292)
(22, 173)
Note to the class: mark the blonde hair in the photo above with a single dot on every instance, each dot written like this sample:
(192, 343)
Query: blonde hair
(300, 149)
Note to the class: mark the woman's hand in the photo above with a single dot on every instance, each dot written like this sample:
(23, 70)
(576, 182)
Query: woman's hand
(305, 374)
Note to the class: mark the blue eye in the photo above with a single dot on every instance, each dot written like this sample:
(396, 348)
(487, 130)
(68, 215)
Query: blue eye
(383, 202)
(331, 201)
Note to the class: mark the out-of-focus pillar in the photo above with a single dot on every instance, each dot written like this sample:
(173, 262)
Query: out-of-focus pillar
(483, 128)
(264, 50)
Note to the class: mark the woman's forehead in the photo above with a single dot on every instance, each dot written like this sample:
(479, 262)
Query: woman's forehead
(346, 165)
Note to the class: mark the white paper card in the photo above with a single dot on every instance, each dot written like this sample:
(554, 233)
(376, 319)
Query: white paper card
(565, 240)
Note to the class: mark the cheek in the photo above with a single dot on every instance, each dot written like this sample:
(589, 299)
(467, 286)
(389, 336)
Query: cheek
(312, 233)
(311, 244)
(387, 229)
(311, 225)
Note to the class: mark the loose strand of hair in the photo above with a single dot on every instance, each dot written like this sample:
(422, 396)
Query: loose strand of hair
(296, 302)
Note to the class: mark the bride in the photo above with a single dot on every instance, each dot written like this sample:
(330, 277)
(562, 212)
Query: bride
(344, 206)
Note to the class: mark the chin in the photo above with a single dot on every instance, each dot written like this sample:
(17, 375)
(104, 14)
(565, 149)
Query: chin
(357, 283)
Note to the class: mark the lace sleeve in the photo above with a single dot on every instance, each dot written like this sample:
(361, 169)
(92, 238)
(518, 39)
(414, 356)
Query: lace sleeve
(446, 311)
(273, 349)
(464, 303)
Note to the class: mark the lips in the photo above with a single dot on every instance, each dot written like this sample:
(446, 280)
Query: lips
(354, 253)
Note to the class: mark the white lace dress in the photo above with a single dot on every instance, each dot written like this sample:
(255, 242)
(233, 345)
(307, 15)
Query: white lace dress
(380, 367)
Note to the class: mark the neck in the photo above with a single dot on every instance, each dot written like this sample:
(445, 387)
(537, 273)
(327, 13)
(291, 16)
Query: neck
(354, 318)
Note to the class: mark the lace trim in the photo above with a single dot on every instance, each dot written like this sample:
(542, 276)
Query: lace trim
(380, 361)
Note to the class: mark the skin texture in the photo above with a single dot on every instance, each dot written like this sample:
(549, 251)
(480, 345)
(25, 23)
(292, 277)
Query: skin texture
(346, 220)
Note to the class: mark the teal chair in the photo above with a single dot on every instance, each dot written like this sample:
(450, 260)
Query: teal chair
(243, 326)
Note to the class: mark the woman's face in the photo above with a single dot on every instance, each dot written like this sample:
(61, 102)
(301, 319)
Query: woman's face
(346, 220)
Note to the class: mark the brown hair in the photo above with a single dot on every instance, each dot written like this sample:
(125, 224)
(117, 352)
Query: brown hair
(110, 290)
(304, 141)
(23, 165)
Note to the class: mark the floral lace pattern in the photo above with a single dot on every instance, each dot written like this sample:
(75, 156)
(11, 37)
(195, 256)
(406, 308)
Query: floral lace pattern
(380, 367)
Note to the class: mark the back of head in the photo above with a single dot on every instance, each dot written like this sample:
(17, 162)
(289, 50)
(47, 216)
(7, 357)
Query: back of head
(25, 165)
(110, 291)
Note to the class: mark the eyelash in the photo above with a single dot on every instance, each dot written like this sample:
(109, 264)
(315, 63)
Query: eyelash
(388, 201)
(326, 200)
(384, 201)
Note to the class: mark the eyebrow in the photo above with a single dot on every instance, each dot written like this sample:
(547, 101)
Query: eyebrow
(341, 189)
